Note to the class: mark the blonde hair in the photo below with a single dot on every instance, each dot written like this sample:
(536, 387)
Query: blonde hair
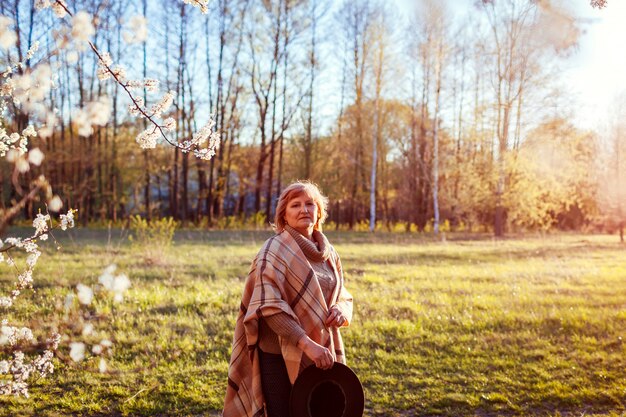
(294, 190)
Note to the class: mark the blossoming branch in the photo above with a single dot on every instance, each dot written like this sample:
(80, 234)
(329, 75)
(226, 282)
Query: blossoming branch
(82, 30)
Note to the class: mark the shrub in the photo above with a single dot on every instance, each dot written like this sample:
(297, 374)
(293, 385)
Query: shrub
(154, 236)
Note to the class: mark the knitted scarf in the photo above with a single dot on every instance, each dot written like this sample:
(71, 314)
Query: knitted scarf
(309, 248)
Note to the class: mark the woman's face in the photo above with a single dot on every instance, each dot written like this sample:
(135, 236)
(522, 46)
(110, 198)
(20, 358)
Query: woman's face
(301, 213)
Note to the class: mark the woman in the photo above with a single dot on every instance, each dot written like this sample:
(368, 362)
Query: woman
(293, 304)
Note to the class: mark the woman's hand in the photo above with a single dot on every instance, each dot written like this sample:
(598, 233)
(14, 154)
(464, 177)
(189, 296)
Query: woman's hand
(335, 317)
(321, 356)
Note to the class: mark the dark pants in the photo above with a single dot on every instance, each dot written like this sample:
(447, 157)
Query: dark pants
(275, 384)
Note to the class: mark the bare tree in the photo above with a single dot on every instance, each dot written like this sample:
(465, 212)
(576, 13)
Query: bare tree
(380, 48)
(263, 77)
(509, 21)
(356, 18)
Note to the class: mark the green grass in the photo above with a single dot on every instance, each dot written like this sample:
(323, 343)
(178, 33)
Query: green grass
(463, 327)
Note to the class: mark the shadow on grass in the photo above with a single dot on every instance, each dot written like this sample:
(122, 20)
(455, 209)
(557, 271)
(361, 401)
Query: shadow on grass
(484, 255)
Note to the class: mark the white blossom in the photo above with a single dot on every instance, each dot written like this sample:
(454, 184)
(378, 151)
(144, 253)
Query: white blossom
(43, 77)
(84, 294)
(58, 6)
(169, 124)
(4, 367)
(205, 154)
(100, 111)
(31, 51)
(162, 105)
(42, 4)
(7, 35)
(134, 84)
(135, 108)
(67, 220)
(59, 11)
(25, 279)
(94, 113)
(43, 364)
(40, 84)
(12, 335)
(204, 135)
(23, 82)
(109, 269)
(121, 283)
(77, 351)
(103, 73)
(6, 333)
(22, 165)
(48, 128)
(137, 30)
(31, 260)
(30, 247)
(105, 59)
(62, 37)
(102, 366)
(82, 26)
(13, 154)
(29, 131)
(81, 121)
(151, 84)
(118, 285)
(41, 223)
(5, 302)
(55, 204)
(71, 57)
(203, 5)
(106, 279)
(87, 329)
(53, 341)
(148, 138)
(119, 72)
(31, 88)
(26, 334)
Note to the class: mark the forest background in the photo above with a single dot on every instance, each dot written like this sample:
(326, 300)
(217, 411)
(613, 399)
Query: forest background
(410, 116)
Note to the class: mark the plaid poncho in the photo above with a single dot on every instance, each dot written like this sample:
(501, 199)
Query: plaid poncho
(280, 280)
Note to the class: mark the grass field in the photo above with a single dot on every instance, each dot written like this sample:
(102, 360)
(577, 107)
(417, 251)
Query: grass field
(531, 326)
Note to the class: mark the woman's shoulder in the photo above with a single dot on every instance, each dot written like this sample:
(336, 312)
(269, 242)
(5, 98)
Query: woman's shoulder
(274, 243)
(333, 252)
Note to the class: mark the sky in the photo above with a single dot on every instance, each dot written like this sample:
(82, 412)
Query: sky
(595, 72)
(591, 76)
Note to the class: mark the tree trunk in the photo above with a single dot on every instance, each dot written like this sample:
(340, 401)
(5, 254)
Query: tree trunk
(146, 159)
(436, 140)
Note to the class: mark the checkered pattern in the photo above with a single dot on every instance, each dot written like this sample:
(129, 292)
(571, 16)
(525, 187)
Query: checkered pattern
(280, 280)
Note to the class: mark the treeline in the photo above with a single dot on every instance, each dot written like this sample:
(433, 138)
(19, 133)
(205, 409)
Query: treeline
(417, 117)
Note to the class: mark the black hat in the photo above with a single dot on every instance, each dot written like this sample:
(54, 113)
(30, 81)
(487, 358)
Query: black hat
(336, 392)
